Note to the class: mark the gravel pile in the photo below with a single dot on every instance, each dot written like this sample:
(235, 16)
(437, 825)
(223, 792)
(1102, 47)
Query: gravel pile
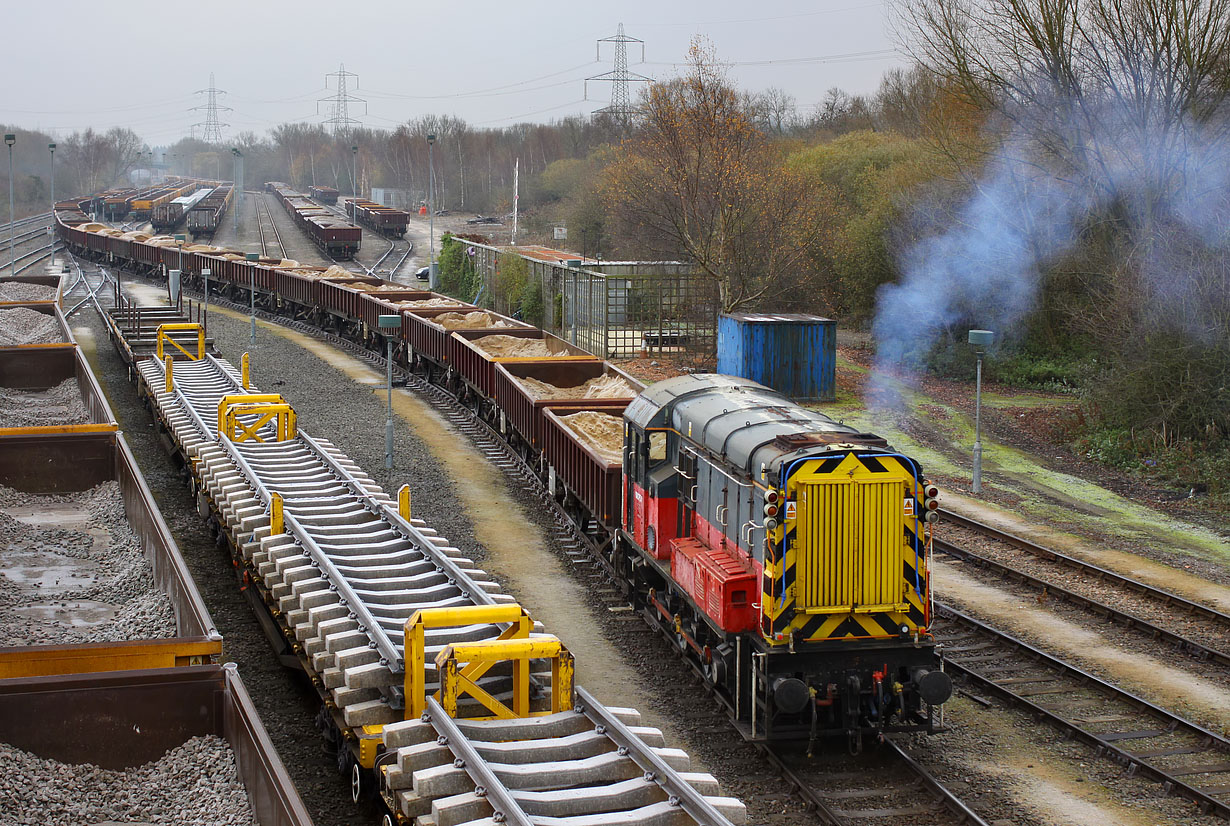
(477, 320)
(196, 783)
(22, 291)
(429, 302)
(602, 432)
(512, 347)
(58, 405)
(601, 387)
(75, 585)
(21, 325)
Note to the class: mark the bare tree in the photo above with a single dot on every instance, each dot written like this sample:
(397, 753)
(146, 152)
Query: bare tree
(774, 111)
(699, 180)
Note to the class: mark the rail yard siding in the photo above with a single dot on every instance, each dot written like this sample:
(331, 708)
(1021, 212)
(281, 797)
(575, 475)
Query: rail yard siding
(793, 353)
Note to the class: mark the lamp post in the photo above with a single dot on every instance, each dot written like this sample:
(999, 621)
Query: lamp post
(388, 325)
(354, 169)
(179, 242)
(9, 140)
(251, 256)
(52, 147)
(981, 340)
(431, 211)
(239, 183)
(205, 310)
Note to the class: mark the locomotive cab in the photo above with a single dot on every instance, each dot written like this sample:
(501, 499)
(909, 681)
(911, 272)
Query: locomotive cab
(651, 489)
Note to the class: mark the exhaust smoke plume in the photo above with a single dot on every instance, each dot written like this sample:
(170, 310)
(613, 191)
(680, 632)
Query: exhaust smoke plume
(1162, 183)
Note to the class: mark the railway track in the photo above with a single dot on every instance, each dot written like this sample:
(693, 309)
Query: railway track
(43, 217)
(900, 778)
(24, 236)
(391, 252)
(30, 258)
(272, 236)
(886, 786)
(1149, 741)
(1193, 628)
(345, 576)
(90, 285)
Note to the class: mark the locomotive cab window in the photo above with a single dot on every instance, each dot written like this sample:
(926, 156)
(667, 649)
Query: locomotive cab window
(657, 449)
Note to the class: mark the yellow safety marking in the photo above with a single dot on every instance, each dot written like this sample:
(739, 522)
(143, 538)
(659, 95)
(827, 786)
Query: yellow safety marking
(403, 502)
(245, 370)
(415, 641)
(481, 656)
(265, 407)
(370, 740)
(46, 430)
(276, 524)
(44, 661)
(170, 368)
(164, 329)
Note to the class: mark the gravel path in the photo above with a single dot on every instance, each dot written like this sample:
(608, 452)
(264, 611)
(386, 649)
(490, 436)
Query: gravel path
(196, 783)
(57, 405)
(84, 581)
(21, 325)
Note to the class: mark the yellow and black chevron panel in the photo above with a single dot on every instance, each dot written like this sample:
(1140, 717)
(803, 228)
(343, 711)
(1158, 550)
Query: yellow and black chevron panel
(848, 559)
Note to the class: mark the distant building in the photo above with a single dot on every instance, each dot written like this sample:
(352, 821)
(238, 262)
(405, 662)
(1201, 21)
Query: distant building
(408, 199)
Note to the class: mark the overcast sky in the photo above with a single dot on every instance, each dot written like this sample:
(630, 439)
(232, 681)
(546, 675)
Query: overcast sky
(137, 64)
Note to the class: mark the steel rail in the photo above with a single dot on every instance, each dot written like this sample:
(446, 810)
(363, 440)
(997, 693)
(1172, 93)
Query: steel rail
(954, 804)
(656, 769)
(1134, 762)
(25, 237)
(461, 578)
(1052, 589)
(506, 808)
(402, 260)
(368, 624)
(47, 250)
(942, 797)
(29, 219)
(1049, 554)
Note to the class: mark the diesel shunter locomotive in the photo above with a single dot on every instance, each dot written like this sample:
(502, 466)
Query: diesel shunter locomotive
(789, 553)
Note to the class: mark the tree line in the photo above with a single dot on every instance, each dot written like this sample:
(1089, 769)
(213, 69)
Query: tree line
(1052, 171)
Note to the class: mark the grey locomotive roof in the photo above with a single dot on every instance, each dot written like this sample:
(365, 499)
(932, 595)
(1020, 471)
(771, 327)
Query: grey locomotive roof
(730, 416)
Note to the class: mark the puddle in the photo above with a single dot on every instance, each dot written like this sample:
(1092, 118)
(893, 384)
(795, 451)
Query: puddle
(146, 295)
(52, 515)
(70, 614)
(1165, 685)
(44, 569)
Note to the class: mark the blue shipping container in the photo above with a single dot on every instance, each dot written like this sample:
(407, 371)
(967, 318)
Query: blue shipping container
(792, 353)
